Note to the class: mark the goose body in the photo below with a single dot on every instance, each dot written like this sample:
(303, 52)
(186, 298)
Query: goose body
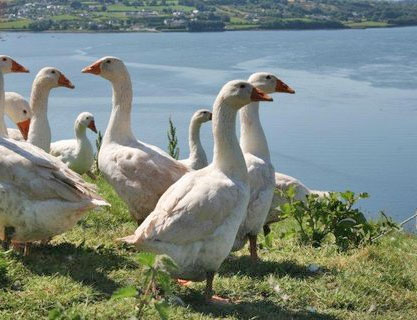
(140, 173)
(197, 158)
(18, 110)
(77, 154)
(40, 196)
(196, 220)
(260, 170)
(46, 79)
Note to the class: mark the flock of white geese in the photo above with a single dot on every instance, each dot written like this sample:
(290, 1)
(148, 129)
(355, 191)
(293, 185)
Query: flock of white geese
(194, 211)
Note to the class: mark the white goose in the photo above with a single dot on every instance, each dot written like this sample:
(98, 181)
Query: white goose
(46, 79)
(18, 110)
(197, 158)
(258, 161)
(196, 220)
(77, 154)
(140, 173)
(40, 196)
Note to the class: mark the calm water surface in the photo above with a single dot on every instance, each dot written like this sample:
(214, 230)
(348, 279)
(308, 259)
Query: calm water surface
(351, 124)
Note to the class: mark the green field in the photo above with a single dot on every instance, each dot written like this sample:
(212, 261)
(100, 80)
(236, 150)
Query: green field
(17, 24)
(367, 24)
(79, 270)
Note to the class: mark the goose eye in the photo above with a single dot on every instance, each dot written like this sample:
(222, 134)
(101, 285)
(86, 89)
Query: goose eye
(268, 77)
(24, 112)
(53, 71)
(108, 61)
(4, 59)
(242, 86)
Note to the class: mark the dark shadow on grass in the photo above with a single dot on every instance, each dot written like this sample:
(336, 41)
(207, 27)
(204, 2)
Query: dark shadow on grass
(245, 266)
(85, 265)
(250, 310)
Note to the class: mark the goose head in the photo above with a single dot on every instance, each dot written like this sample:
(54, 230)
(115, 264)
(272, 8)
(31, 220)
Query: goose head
(269, 83)
(201, 116)
(20, 114)
(8, 65)
(86, 119)
(50, 78)
(238, 93)
(110, 68)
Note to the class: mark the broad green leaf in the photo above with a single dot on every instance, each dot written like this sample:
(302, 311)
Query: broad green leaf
(163, 309)
(126, 292)
(146, 258)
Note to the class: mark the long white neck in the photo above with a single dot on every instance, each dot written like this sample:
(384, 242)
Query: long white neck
(198, 158)
(3, 128)
(227, 155)
(119, 129)
(80, 134)
(39, 131)
(252, 136)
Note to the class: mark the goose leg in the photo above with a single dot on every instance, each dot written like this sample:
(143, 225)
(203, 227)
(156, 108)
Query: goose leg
(267, 230)
(8, 234)
(26, 250)
(252, 247)
(91, 175)
(209, 291)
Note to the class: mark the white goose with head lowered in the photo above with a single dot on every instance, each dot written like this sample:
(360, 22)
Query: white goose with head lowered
(77, 154)
(258, 161)
(140, 173)
(40, 196)
(196, 220)
(18, 110)
(46, 79)
(197, 158)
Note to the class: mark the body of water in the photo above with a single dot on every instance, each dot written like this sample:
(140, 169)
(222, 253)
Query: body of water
(351, 125)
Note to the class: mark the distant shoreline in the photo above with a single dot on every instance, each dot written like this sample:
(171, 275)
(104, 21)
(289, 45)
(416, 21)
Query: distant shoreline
(186, 31)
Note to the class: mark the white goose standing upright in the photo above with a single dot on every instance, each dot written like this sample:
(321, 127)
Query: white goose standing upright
(18, 110)
(197, 158)
(140, 173)
(77, 154)
(258, 161)
(46, 79)
(40, 196)
(196, 220)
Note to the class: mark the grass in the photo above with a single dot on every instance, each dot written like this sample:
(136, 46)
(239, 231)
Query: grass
(79, 270)
(368, 24)
(15, 24)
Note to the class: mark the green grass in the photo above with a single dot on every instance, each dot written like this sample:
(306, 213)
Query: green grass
(80, 270)
(66, 17)
(368, 24)
(16, 24)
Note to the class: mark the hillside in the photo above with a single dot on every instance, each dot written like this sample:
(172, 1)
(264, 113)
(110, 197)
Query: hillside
(203, 15)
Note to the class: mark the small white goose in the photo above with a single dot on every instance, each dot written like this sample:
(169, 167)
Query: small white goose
(258, 161)
(40, 196)
(140, 173)
(197, 158)
(18, 110)
(46, 79)
(77, 154)
(196, 220)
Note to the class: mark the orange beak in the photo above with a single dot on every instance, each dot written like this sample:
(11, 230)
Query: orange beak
(24, 128)
(259, 95)
(282, 87)
(64, 82)
(94, 68)
(16, 67)
(92, 126)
